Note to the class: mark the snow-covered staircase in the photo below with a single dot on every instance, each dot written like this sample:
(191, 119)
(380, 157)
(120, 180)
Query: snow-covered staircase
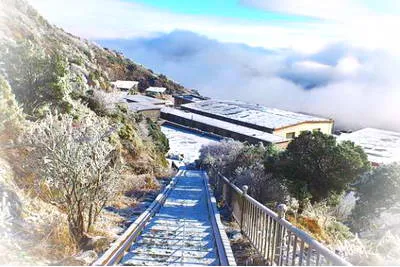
(181, 233)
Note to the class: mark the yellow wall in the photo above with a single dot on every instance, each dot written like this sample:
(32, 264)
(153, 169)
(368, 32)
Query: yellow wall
(326, 127)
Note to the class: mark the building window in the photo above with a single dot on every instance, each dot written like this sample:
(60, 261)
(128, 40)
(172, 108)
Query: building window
(290, 135)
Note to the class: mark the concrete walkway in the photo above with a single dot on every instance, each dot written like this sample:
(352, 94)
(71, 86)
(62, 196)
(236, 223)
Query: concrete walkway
(181, 232)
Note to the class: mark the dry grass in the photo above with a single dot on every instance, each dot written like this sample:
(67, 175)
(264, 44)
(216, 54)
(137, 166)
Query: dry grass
(309, 225)
(53, 240)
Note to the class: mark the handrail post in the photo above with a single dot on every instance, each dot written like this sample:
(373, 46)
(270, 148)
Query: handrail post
(217, 182)
(245, 188)
(282, 208)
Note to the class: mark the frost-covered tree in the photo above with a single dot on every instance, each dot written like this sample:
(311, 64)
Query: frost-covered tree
(220, 155)
(10, 113)
(78, 165)
(244, 165)
(376, 192)
(37, 78)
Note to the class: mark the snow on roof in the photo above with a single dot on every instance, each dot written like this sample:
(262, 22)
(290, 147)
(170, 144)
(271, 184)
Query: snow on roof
(156, 89)
(125, 84)
(267, 137)
(137, 107)
(270, 118)
(382, 147)
(144, 99)
(190, 97)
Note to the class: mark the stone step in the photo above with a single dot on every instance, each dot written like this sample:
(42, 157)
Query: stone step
(172, 250)
(174, 235)
(174, 244)
(178, 229)
(168, 258)
(131, 260)
(170, 221)
(194, 238)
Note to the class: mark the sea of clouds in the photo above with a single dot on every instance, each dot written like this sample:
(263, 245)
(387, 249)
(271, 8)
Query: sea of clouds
(354, 86)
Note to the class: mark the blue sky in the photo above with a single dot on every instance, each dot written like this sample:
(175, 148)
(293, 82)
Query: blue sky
(222, 8)
(304, 25)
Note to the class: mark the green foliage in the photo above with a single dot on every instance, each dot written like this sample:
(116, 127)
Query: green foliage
(37, 78)
(77, 60)
(377, 191)
(10, 114)
(127, 132)
(315, 166)
(87, 54)
(94, 75)
(131, 67)
(160, 140)
(338, 231)
(114, 59)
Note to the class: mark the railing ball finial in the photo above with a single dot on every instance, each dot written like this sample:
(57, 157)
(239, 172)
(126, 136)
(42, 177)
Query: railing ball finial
(282, 208)
(245, 188)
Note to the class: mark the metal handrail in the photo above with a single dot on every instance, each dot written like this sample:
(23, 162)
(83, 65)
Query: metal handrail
(224, 250)
(275, 238)
(115, 253)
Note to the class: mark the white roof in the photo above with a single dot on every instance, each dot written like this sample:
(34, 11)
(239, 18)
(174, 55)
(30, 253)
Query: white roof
(382, 147)
(144, 99)
(270, 138)
(270, 118)
(137, 107)
(125, 84)
(156, 89)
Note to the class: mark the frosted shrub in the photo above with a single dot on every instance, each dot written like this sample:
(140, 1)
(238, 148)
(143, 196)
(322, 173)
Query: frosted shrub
(106, 102)
(38, 79)
(377, 249)
(220, 155)
(263, 186)
(10, 113)
(77, 164)
(244, 165)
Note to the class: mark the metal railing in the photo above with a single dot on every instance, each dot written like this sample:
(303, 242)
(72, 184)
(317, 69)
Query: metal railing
(115, 253)
(276, 239)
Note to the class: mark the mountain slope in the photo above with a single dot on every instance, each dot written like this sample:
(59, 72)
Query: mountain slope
(45, 70)
(20, 22)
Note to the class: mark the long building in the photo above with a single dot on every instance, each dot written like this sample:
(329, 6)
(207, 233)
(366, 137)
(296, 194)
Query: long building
(221, 128)
(284, 124)
(382, 147)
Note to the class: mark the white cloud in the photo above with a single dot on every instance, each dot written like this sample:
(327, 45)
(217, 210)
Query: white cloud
(355, 86)
(345, 21)
(110, 19)
(348, 65)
